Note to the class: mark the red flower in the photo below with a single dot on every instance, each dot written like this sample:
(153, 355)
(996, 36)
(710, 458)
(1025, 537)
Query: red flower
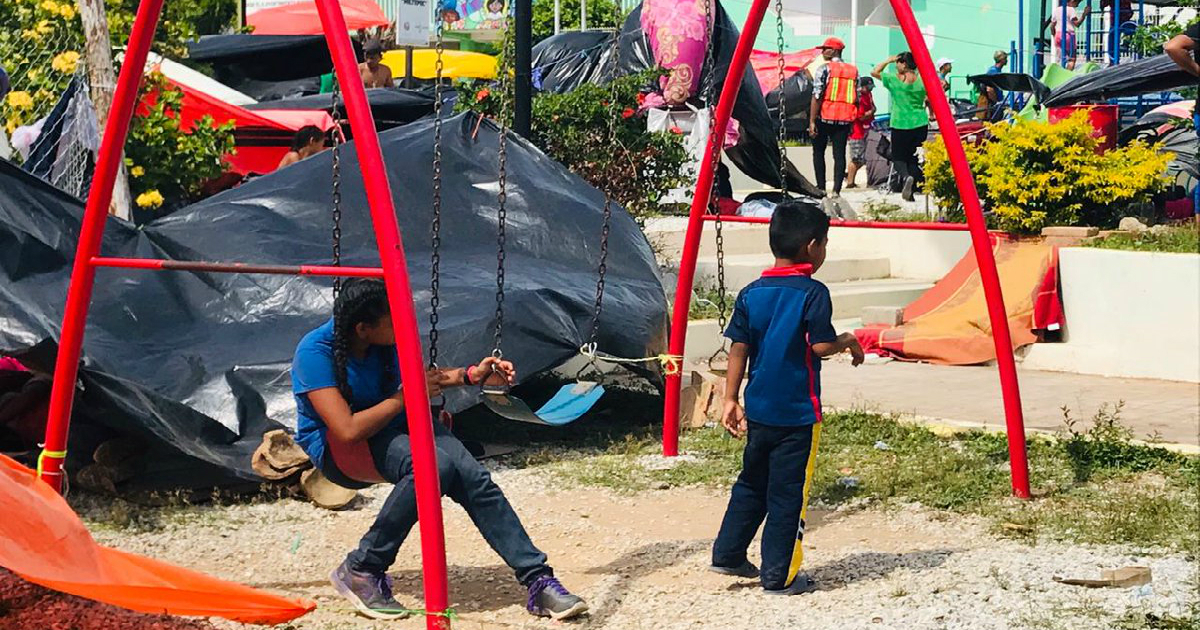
(641, 99)
(676, 130)
(482, 94)
(628, 113)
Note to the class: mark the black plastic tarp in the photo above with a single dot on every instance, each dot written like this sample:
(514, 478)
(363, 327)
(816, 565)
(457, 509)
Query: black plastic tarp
(1153, 74)
(197, 364)
(568, 60)
(797, 97)
(389, 106)
(1012, 82)
(265, 57)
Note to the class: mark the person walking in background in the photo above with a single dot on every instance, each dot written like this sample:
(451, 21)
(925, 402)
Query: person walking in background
(910, 120)
(945, 66)
(833, 109)
(860, 129)
(1184, 50)
(1064, 31)
(991, 97)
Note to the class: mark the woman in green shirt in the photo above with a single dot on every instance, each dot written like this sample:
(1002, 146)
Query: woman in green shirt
(910, 120)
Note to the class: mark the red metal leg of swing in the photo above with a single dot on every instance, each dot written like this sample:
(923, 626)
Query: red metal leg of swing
(408, 345)
(83, 274)
(980, 242)
(691, 242)
(391, 252)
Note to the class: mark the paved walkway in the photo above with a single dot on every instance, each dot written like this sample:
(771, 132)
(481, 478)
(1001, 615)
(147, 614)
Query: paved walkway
(971, 395)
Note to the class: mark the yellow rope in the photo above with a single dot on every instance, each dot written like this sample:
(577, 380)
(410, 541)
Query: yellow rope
(59, 455)
(672, 364)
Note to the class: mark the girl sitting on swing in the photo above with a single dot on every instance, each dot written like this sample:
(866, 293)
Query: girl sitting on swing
(345, 377)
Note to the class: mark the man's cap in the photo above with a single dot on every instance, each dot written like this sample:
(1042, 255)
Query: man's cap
(833, 43)
(943, 61)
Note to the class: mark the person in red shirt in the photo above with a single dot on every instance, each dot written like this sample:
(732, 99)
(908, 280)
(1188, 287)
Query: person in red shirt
(860, 128)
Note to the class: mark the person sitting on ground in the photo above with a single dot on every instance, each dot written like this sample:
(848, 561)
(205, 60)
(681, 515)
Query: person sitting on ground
(861, 129)
(345, 377)
(374, 74)
(781, 325)
(945, 66)
(308, 141)
(909, 119)
(831, 112)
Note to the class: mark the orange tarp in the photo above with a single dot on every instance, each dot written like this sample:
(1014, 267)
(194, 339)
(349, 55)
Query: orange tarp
(43, 541)
(949, 324)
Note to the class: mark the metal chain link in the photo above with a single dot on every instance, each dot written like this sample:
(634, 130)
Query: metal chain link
(710, 98)
(783, 189)
(502, 194)
(606, 225)
(337, 183)
(436, 225)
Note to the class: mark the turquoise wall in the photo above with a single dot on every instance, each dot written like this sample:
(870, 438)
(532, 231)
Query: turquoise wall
(968, 31)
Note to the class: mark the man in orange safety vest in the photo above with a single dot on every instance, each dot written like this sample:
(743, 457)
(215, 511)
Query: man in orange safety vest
(834, 107)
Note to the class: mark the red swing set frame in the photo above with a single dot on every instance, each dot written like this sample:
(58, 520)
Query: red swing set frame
(395, 274)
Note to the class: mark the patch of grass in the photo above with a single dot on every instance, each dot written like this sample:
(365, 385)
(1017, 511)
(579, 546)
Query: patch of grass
(1136, 620)
(1095, 485)
(706, 304)
(890, 212)
(1178, 239)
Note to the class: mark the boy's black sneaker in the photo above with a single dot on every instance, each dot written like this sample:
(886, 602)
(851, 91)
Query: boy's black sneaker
(802, 584)
(745, 570)
(548, 598)
(371, 593)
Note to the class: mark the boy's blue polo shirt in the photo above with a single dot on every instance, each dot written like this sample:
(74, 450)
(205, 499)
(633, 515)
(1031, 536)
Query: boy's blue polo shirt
(779, 316)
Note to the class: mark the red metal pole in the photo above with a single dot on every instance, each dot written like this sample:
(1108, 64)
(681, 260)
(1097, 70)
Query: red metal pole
(980, 243)
(881, 225)
(95, 213)
(400, 301)
(160, 264)
(691, 241)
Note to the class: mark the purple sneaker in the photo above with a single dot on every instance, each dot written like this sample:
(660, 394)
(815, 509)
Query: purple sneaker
(371, 593)
(548, 598)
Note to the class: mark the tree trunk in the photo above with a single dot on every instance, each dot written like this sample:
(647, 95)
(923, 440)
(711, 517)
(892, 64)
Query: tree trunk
(103, 80)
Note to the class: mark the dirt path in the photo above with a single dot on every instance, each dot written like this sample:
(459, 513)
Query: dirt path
(641, 563)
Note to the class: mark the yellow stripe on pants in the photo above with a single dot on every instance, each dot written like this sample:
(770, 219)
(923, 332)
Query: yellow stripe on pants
(798, 550)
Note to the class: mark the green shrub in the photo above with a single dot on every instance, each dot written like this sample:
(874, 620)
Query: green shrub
(1034, 174)
(166, 165)
(1181, 239)
(1107, 447)
(636, 168)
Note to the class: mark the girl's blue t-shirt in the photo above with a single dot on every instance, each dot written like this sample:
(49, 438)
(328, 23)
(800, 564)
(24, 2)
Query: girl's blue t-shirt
(372, 379)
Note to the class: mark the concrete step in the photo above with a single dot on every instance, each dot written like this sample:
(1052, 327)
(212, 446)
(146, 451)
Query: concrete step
(740, 239)
(741, 270)
(849, 298)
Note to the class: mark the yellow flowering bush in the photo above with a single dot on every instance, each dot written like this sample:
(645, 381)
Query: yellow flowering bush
(65, 62)
(20, 99)
(137, 171)
(150, 199)
(1035, 174)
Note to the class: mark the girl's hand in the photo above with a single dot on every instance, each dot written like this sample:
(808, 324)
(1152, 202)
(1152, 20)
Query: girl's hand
(434, 382)
(493, 371)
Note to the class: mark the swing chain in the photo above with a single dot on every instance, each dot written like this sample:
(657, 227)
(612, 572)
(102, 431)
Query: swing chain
(710, 97)
(502, 195)
(337, 183)
(783, 160)
(436, 224)
(606, 225)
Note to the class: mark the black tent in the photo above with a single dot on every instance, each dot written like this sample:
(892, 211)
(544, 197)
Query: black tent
(1153, 74)
(197, 364)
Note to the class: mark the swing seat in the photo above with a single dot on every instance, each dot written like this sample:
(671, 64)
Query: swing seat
(354, 461)
(567, 405)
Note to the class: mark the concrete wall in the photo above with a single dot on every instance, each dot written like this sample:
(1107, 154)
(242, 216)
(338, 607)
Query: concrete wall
(1129, 314)
(916, 254)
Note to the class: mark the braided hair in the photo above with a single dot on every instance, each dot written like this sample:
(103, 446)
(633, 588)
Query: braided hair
(360, 301)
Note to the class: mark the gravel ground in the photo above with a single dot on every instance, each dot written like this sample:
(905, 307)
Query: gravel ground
(640, 560)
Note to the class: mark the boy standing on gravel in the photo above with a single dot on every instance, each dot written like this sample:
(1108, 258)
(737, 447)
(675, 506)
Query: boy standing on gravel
(781, 325)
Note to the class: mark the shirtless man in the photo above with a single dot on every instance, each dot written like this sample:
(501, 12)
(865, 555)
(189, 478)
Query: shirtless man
(309, 140)
(373, 73)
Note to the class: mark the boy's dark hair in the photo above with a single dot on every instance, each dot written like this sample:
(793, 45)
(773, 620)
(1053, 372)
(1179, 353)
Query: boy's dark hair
(306, 135)
(907, 59)
(372, 48)
(794, 225)
(359, 301)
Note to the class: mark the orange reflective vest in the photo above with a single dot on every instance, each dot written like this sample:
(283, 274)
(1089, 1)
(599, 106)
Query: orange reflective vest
(839, 102)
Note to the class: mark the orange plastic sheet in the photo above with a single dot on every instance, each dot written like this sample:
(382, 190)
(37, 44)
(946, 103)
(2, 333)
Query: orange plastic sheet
(949, 325)
(43, 541)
